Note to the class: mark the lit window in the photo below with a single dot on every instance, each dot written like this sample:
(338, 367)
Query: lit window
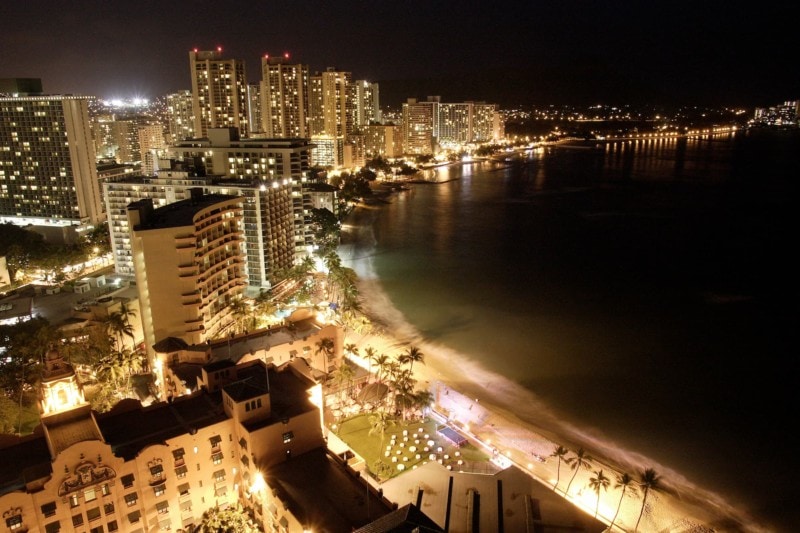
(14, 522)
(90, 494)
(287, 437)
(160, 489)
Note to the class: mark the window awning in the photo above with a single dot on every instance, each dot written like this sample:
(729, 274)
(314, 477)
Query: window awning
(221, 490)
(127, 480)
(49, 508)
(157, 469)
(131, 498)
(186, 506)
(217, 456)
(216, 439)
(177, 454)
(134, 516)
(183, 488)
(161, 506)
(52, 527)
(181, 470)
(219, 475)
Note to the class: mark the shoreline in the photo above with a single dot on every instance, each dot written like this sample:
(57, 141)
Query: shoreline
(498, 425)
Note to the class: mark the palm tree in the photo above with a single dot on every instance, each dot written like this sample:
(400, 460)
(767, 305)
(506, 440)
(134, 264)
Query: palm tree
(351, 348)
(325, 347)
(412, 355)
(624, 481)
(597, 483)
(581, 460)
(648, 480)
(382, 361)
(423, 399)
(561, 453)
(369, 355)
(239, 312)
(344, 374)
(379, 423)
(118, 326)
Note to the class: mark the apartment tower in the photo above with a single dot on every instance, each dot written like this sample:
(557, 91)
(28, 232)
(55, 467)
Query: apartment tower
(219, 92)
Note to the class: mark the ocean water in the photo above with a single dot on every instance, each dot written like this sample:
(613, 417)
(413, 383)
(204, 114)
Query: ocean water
(645, 295)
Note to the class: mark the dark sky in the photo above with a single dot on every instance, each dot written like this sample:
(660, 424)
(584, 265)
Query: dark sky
(540, 52)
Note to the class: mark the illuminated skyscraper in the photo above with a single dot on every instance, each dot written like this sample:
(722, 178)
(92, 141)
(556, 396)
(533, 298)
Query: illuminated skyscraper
(219, 92)
(337, 103)
(420, 125)
(284, 97)
(189, 262)
(181, 116)
(48, 173)
(367, 104)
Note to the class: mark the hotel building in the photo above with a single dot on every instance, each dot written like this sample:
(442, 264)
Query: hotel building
(240, 438)
(219, 92)
(223, 153)
(48, 173)
(385, 140)
(180, 116)
(188, 258)
(267, 211)
(284, 97)
(429, 124)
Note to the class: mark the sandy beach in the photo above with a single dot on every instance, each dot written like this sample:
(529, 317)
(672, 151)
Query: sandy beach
(503, 418)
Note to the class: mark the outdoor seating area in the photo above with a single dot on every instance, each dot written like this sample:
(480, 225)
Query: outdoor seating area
(405, 447)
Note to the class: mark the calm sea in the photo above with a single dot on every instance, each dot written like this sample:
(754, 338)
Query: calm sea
(646, 294)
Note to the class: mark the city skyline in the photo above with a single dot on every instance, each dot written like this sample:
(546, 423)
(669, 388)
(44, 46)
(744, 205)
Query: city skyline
(544, 52)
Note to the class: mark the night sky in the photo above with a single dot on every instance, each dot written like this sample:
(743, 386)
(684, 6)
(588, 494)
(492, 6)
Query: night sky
(579, 52)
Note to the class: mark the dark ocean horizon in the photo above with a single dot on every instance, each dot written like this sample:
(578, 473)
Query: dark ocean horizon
(644, 293)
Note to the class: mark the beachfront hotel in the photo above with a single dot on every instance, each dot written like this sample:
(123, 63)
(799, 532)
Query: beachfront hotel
(189, 265)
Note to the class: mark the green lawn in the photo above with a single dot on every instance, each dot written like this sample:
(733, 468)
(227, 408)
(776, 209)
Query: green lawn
(355, 432)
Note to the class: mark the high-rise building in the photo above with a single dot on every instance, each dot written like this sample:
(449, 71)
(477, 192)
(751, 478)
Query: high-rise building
(219, 92)
(337, 103)
(151, 147)
(429, 124)
(267, 210)
(223, 153)
(420, 126)
(284, 97)
(180, 114)
(48, 173)
(188, 258)
(316, 116)
(385, 140)
(454, 123)
(254, 109)
(367, 104)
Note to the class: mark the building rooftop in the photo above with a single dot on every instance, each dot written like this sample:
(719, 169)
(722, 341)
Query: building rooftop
(30, 457)
(288, 396)
(182, 212)
(407, 519)
(77, 427)
(129, 431)
(323, 495)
